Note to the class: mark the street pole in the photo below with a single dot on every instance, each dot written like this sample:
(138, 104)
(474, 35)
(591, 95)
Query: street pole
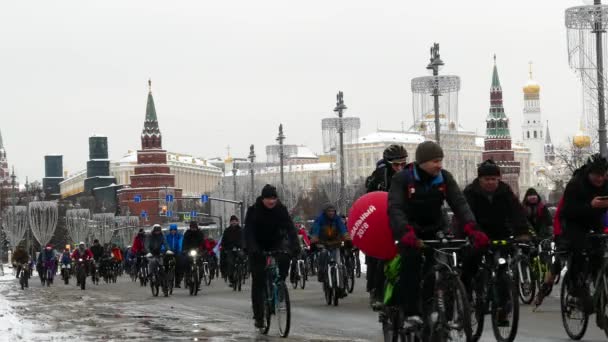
(234, 171)
(434, 66)
(340, 108)
(600, 83)
(252, 171)
(280, 140)
(13, 184)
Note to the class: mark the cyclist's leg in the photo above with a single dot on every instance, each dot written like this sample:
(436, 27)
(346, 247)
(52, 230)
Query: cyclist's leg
(471, 262)
(410, 277)
(257, 264)
(229, 265)
(283, 262)
(323, 256)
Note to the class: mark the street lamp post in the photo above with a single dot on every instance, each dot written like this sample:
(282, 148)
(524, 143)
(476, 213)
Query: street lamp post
(14, 200)
(434, 66)
(340, 108)
(234, 171)
(280, 138)
(599, 30)
(252, 171)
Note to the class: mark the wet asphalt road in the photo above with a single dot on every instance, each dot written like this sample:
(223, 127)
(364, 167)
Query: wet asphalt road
(126, 311)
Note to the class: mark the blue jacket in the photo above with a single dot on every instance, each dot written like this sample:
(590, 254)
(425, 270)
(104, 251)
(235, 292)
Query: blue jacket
(175, 242)
(66, 259)
(327, 229)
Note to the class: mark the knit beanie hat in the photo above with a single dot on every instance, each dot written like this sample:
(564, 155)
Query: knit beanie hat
(234, 218)
(269, 191)
(428, 151)
(488, 168)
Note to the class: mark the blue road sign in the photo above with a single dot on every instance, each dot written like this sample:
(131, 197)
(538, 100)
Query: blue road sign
(204, 198)
(169, 213)
(144, 213)
(194, 214)
(137, 198)
(169, 198)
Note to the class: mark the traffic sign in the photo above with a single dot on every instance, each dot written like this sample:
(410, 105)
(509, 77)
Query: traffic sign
(187, 217)
(204, 198)
(137, 198)
(169, 198)
(194, 214)
(169, 213)
(144, 213)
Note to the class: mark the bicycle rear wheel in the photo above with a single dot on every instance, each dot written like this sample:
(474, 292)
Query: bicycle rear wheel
(458, 315)
(574, 317)
(526, 282)
(505, 326)
(283, 310)
(267, 315)
(302, 272)
(207, 275)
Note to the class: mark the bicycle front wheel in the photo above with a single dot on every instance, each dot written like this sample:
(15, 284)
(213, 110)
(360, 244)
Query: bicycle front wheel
(505, 317)
(526, 282)
(574, 317)
(283, 310)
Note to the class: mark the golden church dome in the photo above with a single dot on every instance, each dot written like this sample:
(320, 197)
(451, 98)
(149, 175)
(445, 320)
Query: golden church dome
(531, 87)
(581, 140)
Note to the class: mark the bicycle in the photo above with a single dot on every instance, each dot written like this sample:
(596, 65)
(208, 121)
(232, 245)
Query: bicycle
(357, 262)
(574, 311)
(298, 272)
(142, 270)
(334, 277)
(237, 276)
(65, 273)
(24, 276)
(276, 297)
(349, 262)
(206, 269)
(81, 273)
(49, 271)
(528, 278)
(193, 273)
(495, 274)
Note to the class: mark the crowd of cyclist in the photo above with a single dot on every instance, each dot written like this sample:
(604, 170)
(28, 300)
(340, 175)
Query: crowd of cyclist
(419, 194)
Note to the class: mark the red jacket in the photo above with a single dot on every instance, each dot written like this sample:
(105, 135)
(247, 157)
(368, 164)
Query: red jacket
(302, 232)
(117, 254)
(88, 255)
(138, 245)
(209, 245)
(557, 224)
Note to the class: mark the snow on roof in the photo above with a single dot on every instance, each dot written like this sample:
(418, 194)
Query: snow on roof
(95, 135)
(392, 137)
(287, 168)
(480, 141)
(304, 152)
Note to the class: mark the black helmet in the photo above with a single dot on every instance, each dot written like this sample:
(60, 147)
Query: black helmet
(597, 164)
(395, 154)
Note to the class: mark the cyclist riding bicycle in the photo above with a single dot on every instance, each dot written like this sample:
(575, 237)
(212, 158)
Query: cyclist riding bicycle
(415, 203)
(498, 214)
(394, 159)
(232, 238)
(581, 211)
(330, 231)
(538, 214)
(175, 240)
(20, 259)
(268, 227)
(155, 244)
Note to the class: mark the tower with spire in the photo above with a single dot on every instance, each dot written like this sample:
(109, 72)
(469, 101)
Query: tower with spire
(532, 127)
(5, 175)
(153, 180)
(497, 144)
(549, 148)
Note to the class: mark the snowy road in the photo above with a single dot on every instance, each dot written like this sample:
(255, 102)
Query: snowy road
(125, 311)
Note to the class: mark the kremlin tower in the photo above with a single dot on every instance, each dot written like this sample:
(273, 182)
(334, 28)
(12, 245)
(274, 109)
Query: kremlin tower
(5, 175)
(532, 127)
(152, 180)
(497, 144)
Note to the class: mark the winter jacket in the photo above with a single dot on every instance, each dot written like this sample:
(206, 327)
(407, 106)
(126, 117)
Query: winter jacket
(557, 222)
(577, 216)
(193, 239)
(328, 230)
(86, 255)
(380, 179)
(174, 242)
(499, 215)
(304, 236)
(117, 254)
(97, 251)
(138, 244)
(209, 245)
(155, 243)
(538, 215)
(269, 229)
(233, 237)
(416, 198)
(47, 255)
(65, 258)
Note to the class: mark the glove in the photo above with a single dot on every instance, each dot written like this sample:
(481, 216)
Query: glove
(480, 239)
(409, 239)
(605, 230)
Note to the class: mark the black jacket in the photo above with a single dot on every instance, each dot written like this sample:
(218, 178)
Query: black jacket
(155, 242)
(415, 198)
(192, 240)
(538, 215)
(577, 215)
(233, 237)
(269, 229)
(97, 251)
(380, 179)
(499, 215)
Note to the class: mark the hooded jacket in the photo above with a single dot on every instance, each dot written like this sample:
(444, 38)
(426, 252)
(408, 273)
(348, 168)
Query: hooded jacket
(499, 215)
(538, 215)
(576, 215)
(155, 243)
(233, 237)
(174, 241)
(328, 230)
(138, 243)
(269, 229)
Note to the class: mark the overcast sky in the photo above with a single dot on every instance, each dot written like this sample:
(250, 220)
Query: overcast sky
(228, 72)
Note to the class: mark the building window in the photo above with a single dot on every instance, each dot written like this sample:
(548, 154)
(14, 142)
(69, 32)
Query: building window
(535, 135)
(528, 134)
